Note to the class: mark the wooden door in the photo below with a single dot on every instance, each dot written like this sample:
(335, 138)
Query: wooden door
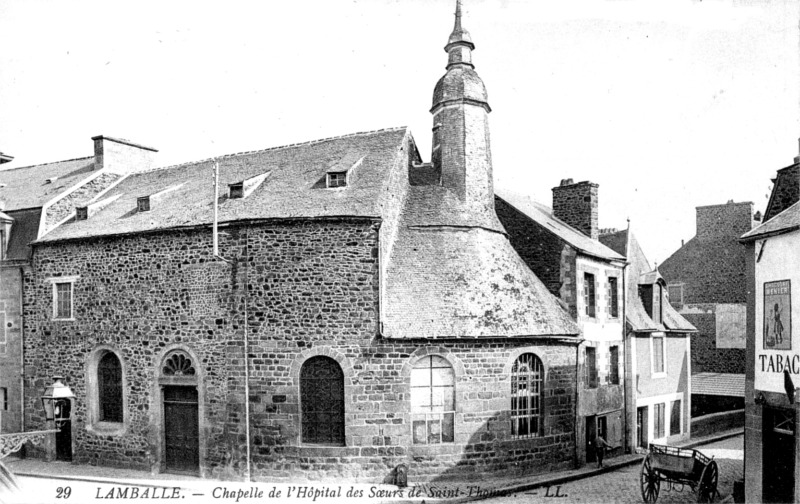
(64, 435)
(641, 427)
(181, 431)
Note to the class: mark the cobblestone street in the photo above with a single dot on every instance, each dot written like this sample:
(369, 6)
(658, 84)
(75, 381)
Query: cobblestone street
(622, 486)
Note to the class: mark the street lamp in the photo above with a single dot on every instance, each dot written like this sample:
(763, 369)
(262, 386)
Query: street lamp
(56, 409)
(55, 399)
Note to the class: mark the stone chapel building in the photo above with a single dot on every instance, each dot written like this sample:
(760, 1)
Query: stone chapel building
(366, 310)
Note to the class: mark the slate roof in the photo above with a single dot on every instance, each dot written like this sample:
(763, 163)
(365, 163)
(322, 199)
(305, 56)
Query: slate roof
(464, 281)
(296, 187)
(784, 222)
(638, 272)
(718, 384)
(543, 216)
(27, 186)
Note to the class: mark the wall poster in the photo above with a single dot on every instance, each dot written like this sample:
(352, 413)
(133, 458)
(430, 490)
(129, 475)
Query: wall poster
(777, 315)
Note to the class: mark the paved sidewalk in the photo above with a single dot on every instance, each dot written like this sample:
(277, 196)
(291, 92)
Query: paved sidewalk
(499, 486)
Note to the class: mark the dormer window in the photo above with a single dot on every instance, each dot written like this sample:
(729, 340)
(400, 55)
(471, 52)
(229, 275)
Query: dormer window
(245, 188)
(81, 213)
(236, 190)
(337, 179)
(143, 204)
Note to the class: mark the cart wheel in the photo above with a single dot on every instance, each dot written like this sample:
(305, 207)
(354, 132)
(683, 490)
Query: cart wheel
(707, 486)
(650, 481)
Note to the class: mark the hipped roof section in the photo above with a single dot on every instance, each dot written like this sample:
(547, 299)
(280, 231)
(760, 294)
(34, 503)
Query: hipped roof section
(295, 188)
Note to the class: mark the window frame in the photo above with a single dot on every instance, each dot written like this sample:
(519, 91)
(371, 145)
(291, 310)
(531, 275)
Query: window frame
(613, 371)
(613, 297)
(56, 281)
(432, 415)
(102, 390)
(336, 180)
(591, 371)
(306, 414)
(653, 369)
(4, 392)
(672, 417)
(659, 420)
(590, 294)
(536, 375)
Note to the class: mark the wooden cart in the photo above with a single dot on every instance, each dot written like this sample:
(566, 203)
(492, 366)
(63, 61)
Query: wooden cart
(677, 468)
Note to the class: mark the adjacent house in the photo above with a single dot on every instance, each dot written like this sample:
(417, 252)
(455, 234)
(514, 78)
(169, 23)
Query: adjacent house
(34, 200)
(358, 313)
(658, 351)
(773, 356)
(707, 285)
(561, 246)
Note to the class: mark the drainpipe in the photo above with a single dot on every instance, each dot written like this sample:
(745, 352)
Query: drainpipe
(625, 359)
(21, 349)
(217, 255)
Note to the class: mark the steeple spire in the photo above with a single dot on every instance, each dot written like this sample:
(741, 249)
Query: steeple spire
(459, 46)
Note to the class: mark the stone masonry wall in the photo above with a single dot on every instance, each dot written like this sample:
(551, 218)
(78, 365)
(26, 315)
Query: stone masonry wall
(729, 219)
(313, 290)
(706, 357)
(11, 278)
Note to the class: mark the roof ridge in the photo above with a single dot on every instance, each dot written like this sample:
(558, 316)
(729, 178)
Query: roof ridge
(297, 144)
(45, 164)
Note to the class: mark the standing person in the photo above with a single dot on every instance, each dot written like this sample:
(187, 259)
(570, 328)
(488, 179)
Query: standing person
(600, 446)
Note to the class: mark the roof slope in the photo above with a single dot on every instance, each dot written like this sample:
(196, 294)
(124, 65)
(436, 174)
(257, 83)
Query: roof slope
(295, 187)
(27, 187)
(718, 384)
(543, 216)
(639, 271)
(784, 222)
(449, 281)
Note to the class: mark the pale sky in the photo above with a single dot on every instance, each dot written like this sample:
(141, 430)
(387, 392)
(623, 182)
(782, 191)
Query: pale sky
(667, 104)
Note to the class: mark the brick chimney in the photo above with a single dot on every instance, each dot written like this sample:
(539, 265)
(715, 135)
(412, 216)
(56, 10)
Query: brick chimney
(728, 220)
(121, 156)
(576, 204)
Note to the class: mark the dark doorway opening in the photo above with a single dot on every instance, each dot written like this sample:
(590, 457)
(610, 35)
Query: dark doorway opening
(591, 433)
(779, 446)
(641, 427)
(181, 430)
(64, 434)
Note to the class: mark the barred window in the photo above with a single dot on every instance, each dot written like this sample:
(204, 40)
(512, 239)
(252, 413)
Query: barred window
(432, 400)
(62, 302)
(527, 391)
(322, 401)
(109, 380)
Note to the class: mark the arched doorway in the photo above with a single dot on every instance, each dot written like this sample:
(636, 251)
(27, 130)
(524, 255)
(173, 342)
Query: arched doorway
(178, 380)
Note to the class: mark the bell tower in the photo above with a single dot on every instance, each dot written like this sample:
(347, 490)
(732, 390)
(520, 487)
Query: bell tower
(460, 111)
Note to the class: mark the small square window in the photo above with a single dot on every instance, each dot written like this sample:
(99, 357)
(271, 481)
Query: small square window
(62, 300)
(143, 204)
(236, 190)
(337, 179)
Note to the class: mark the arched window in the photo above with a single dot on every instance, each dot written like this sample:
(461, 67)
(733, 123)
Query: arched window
(322, 401)
(109, 380)
(433, 401)
(527, 391)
